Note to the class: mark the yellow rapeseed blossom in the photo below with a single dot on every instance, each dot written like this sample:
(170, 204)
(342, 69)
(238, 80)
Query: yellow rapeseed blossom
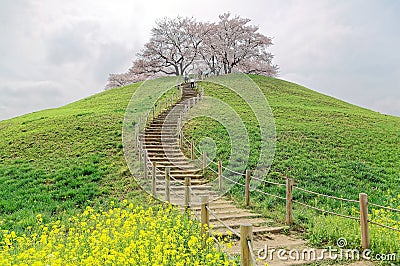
(125, 235)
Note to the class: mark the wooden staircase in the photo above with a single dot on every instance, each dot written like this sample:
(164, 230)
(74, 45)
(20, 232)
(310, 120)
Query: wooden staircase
(162, 145)
(161, 141)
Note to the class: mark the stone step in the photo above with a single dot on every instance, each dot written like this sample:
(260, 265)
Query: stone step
(256, 230)
(186, 172)
(162, 150)
(179, 158)
(173, 167)
(181, 176)
(158, 147)
(183, 164)
(194, 194)
(159, 132)
(158, 136)
(166, 154)
(159, 160)
(161, 184)
(163, 122)
(234, 216)
(158, 129)
(235, 224)
(152, 140)
(161, 142)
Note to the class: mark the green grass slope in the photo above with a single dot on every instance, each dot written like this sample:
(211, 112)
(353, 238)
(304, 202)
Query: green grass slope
(56, 161)
(325, 144)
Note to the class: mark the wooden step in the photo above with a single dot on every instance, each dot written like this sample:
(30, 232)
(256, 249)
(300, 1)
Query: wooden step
(158, 147)
(256, 230)
(234, 216)
(237, 222)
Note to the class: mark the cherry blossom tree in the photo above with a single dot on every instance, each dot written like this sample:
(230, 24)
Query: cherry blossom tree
(260, 64)
(231, 44)
(174, 45)
(236, 44)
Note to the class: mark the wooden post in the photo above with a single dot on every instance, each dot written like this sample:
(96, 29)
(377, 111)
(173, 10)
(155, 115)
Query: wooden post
(289, 198)
(166, 102)
(246, 233)
(153, 180)
(145, 165)
(192, 150)
(140, 152)
(247, 188)
(204, 162)
(187, 193)
(220, 174)
(205, 216)
(167, 185)
(364, 220)
(153, 112)
(137, 138)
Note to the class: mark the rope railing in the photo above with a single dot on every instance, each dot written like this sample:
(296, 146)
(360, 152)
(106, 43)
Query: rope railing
(268, 182)
(227, 178)
(252, 254)
(323, 195)
(362, 203)
(290, 187)
(383, 207)
(233, 171)
(191, 190)
(269, 194)
(384, 226)
(325, 211)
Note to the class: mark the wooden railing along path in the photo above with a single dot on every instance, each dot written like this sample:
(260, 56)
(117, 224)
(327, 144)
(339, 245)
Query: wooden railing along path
(179, 180)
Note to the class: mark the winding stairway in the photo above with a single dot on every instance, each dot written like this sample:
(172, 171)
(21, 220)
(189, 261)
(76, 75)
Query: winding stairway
(162, 145)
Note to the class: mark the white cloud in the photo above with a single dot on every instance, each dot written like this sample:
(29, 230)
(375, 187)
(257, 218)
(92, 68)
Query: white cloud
(347, 49)
(387, 106)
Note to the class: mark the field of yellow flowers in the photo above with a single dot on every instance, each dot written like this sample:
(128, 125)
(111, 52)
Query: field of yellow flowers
(125, 235)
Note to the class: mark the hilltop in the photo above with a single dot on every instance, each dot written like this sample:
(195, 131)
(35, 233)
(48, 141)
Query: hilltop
(56, 162)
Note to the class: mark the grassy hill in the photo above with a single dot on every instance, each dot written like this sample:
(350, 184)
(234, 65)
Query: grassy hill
(56, 162)
(327, 146)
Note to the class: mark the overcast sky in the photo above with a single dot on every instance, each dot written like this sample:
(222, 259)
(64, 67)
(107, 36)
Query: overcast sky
(55, 52)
